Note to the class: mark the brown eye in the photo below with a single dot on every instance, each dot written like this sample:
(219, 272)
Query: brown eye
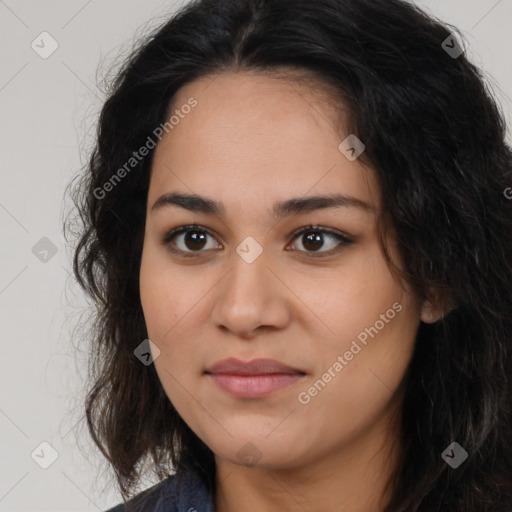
(194, 240)
(191, 240)
(312, 239)
(187, 239)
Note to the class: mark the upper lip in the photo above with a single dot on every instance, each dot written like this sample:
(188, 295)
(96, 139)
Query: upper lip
(255, 367)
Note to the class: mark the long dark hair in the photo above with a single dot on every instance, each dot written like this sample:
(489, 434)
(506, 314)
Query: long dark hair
(434, 134)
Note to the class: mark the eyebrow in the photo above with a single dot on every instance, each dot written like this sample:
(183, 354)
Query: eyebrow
(196, 203)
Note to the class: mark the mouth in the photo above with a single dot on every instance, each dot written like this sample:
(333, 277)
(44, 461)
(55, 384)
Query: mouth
(253, 379)
(255, 386)
(234, 366)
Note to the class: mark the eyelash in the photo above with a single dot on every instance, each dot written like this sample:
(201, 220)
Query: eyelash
(344, 240)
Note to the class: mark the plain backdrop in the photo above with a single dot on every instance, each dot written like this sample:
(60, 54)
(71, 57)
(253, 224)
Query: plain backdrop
(48, 108)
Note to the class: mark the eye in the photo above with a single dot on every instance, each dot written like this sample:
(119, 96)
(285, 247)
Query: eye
(312, 238)
(195, 238)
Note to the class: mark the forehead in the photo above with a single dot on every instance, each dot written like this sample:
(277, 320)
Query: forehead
(262, 104)
(257, 136)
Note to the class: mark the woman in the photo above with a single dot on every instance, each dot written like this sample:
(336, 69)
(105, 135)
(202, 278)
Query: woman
(298, 236)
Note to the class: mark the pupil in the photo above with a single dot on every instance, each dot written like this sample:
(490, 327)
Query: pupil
(196, 239)
(315, 240)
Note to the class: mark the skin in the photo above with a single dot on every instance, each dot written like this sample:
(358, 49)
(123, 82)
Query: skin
(253, 140)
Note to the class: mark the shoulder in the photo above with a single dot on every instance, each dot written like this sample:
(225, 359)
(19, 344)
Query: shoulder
(182, 492)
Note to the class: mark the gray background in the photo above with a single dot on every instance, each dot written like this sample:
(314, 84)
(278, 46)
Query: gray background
(48, 112)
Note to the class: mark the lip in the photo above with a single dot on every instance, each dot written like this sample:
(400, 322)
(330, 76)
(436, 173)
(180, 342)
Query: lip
(234, 366)
(253, 379)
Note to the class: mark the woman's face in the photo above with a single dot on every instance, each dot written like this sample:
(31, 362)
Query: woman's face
(244, 285)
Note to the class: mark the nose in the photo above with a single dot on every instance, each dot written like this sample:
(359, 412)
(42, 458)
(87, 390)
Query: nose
(250, 297)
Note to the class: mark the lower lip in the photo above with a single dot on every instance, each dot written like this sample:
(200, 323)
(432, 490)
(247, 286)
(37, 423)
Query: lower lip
(255, 386)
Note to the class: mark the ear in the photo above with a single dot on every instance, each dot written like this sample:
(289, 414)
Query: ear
(435, 308)
(429, 313)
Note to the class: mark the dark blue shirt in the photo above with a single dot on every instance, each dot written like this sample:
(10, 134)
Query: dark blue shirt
(182, 492)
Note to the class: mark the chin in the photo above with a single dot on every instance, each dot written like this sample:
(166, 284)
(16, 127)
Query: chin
(258, 452)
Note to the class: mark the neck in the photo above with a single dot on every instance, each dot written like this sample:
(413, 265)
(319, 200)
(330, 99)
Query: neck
(357, 477)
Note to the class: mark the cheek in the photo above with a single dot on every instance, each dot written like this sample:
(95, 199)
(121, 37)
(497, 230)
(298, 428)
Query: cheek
(347, 397)
(165, 307)
(165, 296)
(373, 323)
(171, 303)
(352, 298)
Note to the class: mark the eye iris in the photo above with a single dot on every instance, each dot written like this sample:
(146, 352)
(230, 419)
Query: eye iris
(314, 239)
(196, 238)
